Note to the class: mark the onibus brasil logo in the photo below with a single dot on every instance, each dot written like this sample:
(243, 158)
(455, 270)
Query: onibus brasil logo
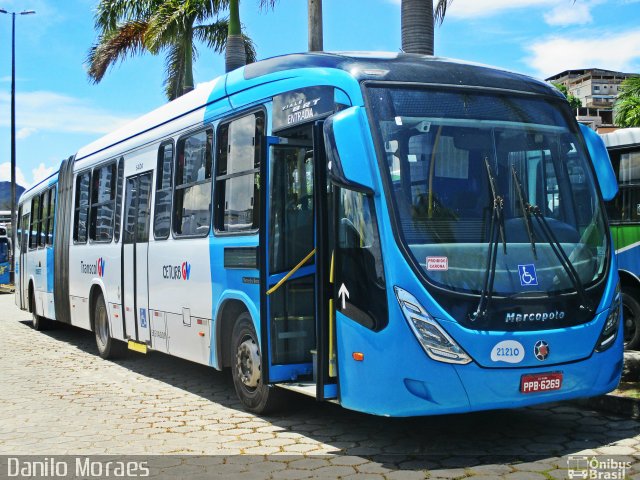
(93, 268)
(177, 272)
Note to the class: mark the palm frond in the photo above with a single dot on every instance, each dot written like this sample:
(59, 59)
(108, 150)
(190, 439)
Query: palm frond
(267, 4)
(110, 13)
(170, 21)
(440, 11)
(215, 36)
(174, 71)
(627, 112)
(630, 88)
(111, 47)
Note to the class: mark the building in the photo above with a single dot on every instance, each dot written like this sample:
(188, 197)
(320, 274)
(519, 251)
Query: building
(597, 89)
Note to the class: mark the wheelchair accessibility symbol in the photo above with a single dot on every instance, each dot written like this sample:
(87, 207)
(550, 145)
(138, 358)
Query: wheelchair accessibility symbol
(527, 275)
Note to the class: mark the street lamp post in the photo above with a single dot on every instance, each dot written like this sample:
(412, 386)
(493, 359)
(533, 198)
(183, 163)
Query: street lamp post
(13, 132)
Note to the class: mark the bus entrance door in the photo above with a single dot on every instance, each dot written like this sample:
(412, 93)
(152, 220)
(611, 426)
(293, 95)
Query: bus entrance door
(294, 339)
(135, 246)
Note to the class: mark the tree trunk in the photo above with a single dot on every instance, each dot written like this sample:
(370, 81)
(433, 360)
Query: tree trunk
(315, 26)
(235, 55)
(188, 63)
(417, 26)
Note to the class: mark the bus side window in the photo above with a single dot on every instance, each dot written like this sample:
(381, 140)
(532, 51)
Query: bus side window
(192, 195)
(118, 214)
(164, 183)
(51, 216)
(103, 197)
(358, 261)
(238, 174)
(44, 200)
(35, 220)
(81, 207)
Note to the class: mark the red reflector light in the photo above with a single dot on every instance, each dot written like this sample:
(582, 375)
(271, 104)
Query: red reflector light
(201, 334)
(358, 356)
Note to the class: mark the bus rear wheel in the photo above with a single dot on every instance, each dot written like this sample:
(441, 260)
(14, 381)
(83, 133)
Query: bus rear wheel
(108, 347)
(37, 321)
(631, 319)
(246, 370)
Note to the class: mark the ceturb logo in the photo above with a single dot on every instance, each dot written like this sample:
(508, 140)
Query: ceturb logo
(186, 270)
(177, 272)
(93, 268)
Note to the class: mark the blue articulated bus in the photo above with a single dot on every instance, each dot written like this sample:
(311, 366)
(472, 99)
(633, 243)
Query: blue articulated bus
(400, 234)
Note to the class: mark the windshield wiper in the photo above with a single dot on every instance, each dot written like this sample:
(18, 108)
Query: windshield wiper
(555, 245)
(496, 230)
(525, 211)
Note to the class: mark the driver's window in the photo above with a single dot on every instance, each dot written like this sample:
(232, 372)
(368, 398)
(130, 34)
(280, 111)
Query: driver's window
(291, 206)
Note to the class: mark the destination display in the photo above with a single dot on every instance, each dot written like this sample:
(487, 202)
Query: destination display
(300, 106)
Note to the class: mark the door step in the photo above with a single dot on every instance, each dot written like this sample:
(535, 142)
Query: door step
(305, 388)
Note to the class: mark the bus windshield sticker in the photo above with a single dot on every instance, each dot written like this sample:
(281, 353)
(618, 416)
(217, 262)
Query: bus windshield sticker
(509, 351)
(303, 105)
(527, 273)
(438, 263)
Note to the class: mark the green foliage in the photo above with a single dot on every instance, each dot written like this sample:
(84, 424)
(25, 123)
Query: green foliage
(127, 28)
(574, 102)
(627, 106)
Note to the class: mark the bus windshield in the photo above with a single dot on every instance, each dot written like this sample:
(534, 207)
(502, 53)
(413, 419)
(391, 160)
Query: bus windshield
(468, 167)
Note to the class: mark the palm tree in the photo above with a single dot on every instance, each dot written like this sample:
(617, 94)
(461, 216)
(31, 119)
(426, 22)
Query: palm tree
(627, 106)
(417, 18)
(132, 27)
(234, 57)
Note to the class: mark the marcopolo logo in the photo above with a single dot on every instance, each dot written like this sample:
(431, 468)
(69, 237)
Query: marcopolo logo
(177, 272)
(93, 268)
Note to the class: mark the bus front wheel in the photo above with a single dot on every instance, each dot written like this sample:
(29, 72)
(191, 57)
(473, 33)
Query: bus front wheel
(631, 319)
(108, 347)
(246, 369)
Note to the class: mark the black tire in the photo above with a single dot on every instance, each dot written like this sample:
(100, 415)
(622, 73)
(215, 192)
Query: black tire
(38, 322)
(108, 347)
(631, 319)
(246, 372)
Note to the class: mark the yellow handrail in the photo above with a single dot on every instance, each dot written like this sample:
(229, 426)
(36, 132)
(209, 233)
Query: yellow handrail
(294, 270)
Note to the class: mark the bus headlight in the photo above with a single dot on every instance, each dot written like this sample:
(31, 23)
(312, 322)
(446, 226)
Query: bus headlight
(610, 329)
(434, 340)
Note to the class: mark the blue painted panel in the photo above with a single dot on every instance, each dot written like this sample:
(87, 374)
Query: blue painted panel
(5, 268)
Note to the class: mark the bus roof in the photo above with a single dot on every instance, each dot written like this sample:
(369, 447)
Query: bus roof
(623, 137)
(380, 66)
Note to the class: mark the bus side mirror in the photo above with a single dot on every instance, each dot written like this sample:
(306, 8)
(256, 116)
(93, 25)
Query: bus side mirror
(349, 150)
(601, 163)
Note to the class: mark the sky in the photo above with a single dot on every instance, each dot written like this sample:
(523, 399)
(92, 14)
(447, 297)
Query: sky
(58, 110)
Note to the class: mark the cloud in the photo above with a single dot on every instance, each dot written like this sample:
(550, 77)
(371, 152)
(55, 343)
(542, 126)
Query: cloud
(41, 172)
(54, 112)
(5, 174)
(562, 13)
(25, 132)
(614, 52)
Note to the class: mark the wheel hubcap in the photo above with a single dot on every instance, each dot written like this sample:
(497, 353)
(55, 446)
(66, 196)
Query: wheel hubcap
(102, 329)
(629, 325)
(248, 363)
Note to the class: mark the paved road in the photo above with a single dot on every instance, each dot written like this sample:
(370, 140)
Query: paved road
(58, 397)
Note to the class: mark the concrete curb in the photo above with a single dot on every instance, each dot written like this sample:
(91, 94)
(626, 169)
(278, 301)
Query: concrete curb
(615, 404)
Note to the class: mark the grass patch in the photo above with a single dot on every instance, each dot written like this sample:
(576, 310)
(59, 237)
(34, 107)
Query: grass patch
(628, 389)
